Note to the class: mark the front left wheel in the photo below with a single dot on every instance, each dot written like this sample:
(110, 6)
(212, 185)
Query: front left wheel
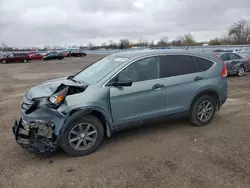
(82, 136)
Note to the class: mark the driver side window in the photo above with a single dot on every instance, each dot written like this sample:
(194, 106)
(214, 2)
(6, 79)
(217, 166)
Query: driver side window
(142, 70)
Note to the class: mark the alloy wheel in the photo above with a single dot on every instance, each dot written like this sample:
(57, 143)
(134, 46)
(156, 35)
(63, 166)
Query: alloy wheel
(241, 71)
(205, 111)
(82, 136)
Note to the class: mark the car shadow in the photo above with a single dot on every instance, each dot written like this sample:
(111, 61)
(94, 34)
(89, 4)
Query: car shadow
(134, 132)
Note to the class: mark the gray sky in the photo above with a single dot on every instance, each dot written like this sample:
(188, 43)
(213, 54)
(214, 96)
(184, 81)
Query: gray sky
(40, 22)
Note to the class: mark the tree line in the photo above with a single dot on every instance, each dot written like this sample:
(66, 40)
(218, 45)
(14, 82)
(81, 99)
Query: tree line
(238, 33)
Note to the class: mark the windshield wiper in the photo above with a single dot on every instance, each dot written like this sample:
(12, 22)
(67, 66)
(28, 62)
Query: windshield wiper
(71, 77)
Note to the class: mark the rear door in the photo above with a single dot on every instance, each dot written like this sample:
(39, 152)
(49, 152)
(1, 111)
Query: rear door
(238, 61)
(145, 99)
(182, 82)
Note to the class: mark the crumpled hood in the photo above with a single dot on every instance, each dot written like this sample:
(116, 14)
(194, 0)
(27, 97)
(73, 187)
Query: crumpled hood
(48, 88)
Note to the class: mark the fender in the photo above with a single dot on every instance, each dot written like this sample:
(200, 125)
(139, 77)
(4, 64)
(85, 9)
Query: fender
(206, 91)
(83, 111)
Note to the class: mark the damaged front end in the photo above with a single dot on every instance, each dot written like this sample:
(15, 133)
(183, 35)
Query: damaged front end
(39, 127)
(36, 136)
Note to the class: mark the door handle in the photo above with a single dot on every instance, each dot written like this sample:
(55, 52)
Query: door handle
(198, 78)
(158, 86)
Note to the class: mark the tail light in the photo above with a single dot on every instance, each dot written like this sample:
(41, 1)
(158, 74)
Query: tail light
(224, 67)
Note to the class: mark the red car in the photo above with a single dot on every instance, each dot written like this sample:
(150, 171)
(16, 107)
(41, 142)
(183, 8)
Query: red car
(15, 57)
(36, 56)
(31, 53)
(65, 53)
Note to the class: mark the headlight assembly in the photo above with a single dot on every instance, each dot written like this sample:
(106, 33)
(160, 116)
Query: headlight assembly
(53, 101)
(57, 98)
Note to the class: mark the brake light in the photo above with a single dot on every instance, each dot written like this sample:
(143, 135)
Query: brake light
(224, 67)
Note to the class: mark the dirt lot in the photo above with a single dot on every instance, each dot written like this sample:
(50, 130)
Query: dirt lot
(174, 154)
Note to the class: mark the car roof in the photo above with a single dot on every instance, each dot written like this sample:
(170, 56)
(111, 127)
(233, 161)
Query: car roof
(148, 52)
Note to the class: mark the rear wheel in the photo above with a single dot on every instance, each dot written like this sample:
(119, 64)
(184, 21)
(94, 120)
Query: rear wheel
(82, 136)
(241, 71)
(25, 61)
(203, 110)
(4, 61)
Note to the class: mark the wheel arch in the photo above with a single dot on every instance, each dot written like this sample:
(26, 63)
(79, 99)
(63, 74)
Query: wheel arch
(209, 92)
(97, 112)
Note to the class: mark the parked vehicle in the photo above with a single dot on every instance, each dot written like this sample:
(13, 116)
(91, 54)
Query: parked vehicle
(30, 53)
(15, 57)
(222, 50)
(236, 64)
(53, 55)
(117, 92)
(65, 53)
(76, 54)
(238, 50)
(37, 56)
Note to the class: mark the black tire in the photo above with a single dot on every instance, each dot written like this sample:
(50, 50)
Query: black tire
(240, 71)
(195, 120)
(70, 124)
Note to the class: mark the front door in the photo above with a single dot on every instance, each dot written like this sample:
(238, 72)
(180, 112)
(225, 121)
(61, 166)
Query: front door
(145, 99)
(11, 58)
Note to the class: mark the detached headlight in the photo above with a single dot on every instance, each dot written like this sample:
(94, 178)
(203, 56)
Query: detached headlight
(57, 98)
(53, 101)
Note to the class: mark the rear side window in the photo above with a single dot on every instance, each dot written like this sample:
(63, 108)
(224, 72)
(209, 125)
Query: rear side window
(233, 56)
(175, 65)
(224, 57)
(202, 64)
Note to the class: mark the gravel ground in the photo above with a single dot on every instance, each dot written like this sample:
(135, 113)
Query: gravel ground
(171, 154)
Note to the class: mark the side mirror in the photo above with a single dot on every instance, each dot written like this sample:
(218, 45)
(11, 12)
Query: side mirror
(125, 81)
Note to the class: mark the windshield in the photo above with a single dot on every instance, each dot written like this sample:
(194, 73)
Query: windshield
(99, 70)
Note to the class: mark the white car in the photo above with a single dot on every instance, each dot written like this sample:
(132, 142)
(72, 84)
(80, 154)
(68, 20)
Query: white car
(239, 50)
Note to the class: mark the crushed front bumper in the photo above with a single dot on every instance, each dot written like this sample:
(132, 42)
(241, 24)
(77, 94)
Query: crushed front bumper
(37, 136)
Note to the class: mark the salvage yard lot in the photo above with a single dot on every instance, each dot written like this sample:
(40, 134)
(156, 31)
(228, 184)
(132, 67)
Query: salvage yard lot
(171, 154)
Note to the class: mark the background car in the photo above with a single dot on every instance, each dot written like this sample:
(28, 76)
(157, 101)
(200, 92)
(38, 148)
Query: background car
(36, 56)
(76, 54)
(222, 50)
(15, 57)
(31, 53)
(236, 64)
(64, 53)
(53, 55)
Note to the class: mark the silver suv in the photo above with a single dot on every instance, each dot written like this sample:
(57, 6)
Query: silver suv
(119, 91)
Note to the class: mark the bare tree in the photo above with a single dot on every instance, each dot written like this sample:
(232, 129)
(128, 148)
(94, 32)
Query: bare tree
(4, 46)
(152, 44)
(240, 32)
(163, 42)
(104, 45)
(112, 44)
(90, 45)
(189, 39)
(142, 42)
(124, 43)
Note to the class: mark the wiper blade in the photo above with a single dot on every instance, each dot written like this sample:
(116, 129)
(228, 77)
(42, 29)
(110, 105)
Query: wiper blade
(71, 77)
